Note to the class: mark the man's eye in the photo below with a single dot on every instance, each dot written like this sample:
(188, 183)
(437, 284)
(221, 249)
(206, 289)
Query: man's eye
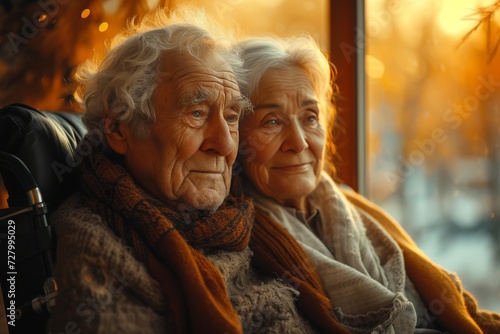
(232, 119)
(272, 121)
(197, 114)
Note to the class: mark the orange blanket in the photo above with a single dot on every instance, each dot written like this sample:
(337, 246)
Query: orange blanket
(456, 310)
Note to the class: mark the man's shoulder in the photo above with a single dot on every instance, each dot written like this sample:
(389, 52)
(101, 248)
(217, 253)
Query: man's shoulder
(74, 220)
(82, 235)
(73, 212)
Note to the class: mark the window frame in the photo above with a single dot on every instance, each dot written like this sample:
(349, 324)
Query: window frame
(347, 53)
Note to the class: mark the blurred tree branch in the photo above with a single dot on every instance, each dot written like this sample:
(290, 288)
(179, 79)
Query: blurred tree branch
(485, 17)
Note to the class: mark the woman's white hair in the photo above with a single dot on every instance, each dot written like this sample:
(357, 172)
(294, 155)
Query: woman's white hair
(120, 87)
(262, 54)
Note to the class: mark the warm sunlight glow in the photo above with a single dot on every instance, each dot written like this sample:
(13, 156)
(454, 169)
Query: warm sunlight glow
(268, 3)
(110, 6)
(374, 67)
(42, 18)
(452, 16)
(103, 27)
(152, 3)
(85, 13)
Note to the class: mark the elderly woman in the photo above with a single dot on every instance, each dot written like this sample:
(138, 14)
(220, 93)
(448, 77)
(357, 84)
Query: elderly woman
(375, 276)
(153, 242)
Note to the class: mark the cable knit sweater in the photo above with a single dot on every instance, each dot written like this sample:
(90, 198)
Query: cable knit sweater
(104, 289)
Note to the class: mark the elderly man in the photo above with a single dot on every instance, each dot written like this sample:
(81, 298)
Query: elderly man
(153, 242)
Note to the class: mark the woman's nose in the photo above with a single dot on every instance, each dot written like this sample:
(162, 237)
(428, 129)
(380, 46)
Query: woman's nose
(295, 139)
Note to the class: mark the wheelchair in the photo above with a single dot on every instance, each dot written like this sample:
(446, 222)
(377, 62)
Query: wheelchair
(38, 169)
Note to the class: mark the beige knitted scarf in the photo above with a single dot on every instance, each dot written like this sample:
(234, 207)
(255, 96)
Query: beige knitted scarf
(363, 276)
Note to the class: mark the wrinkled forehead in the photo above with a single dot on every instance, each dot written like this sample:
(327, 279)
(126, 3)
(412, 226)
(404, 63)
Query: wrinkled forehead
(207, 76)
(177, 65)
(284, 82)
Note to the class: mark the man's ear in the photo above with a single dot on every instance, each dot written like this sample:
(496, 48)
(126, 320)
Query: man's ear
(116, 136)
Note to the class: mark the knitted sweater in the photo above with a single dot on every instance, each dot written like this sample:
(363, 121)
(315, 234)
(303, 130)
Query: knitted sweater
(104, 289)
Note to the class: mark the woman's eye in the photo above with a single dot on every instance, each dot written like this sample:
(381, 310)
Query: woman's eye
(272, 122)
(311, 118)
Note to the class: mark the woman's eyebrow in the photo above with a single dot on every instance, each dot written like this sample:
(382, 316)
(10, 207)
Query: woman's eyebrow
(305, 103)
(309, 102)
(267, 106)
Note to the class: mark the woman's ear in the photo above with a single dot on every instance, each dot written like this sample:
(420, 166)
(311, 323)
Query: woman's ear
(116, 136)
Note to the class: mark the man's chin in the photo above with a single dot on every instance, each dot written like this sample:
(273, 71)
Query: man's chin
(207, 200)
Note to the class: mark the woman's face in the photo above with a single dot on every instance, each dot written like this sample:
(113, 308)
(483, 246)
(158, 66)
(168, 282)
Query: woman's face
(282, 142)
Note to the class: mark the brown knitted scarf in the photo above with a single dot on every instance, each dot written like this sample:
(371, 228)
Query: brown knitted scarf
(169, 240)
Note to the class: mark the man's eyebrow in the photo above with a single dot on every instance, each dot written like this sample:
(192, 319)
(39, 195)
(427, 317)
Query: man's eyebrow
(241, 101)
(195, 97)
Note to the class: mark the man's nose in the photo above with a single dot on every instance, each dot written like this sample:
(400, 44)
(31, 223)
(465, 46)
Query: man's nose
(218, 138)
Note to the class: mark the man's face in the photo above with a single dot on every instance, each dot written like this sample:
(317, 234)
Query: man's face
(193, 143)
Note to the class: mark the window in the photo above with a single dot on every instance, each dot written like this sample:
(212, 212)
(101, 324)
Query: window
(433, 132)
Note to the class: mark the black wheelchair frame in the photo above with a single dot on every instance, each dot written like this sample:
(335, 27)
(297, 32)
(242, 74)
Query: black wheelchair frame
(37, 167)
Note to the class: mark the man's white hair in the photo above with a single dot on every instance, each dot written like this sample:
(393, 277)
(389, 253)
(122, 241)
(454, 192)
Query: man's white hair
(120, 86)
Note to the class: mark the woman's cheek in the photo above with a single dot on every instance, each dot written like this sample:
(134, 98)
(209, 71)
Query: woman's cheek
(259, 140)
